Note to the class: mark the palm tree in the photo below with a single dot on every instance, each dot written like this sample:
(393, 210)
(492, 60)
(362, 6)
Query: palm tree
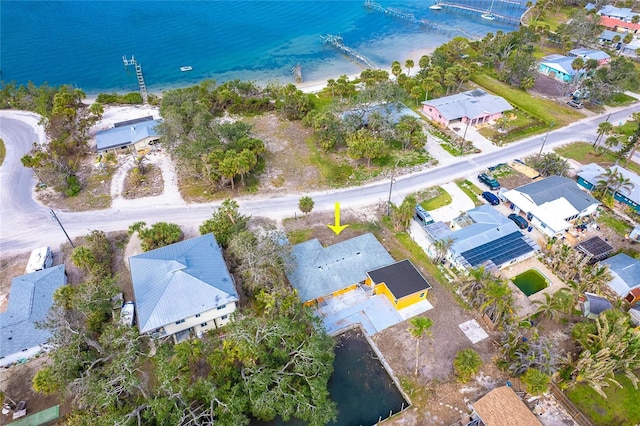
(409, 64)
(613, 180)
(498, 301)
(577, 65)
(556, 305)
(595, 277)
(611, 142)
(471, 287)
(419, 327)
(441, 247)
(604, 128)
(466, 364)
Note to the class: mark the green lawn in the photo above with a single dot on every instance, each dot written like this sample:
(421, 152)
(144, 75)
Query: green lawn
(584, 153)
(3, 152)
(620, 226)
(543, 109)
(434, 202)
(299, 236)
(620, 408)
(471, 190)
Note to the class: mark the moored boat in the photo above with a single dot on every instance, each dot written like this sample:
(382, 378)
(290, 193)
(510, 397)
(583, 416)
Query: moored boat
(435, 7)
(186, 68)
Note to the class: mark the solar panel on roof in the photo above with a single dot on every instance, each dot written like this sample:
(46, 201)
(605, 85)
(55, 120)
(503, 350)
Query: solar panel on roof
(595, 247)
(499, 251)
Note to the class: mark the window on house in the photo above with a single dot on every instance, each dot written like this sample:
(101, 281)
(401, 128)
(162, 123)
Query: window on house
(395, 301)
(204, 324)
(221, 307)
(179, 322)
(421, 295)
(224, 317)
(197, 315)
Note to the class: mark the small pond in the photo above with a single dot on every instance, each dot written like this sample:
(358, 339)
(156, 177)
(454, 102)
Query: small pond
(360, 386)
(531, 281)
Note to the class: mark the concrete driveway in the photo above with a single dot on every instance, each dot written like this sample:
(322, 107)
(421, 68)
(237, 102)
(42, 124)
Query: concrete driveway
(460, 202)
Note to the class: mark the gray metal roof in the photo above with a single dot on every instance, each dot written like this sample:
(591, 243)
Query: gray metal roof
(125, 135)
(554, 187)
(559, 63)
(180, 280)
(470, 104)
(627, 270)
(30, 299)
(489, 226)
(586, 53)
(389, 111)
(320, 271)
(597, 304)
(608, 35)
(590, 173)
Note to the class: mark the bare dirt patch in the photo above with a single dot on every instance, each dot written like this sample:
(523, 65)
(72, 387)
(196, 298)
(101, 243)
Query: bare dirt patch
(143, 185)
(9, 269)
(288, 156)
(95, 193)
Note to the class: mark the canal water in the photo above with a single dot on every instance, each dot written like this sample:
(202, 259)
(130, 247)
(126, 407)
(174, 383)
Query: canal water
(360, 386)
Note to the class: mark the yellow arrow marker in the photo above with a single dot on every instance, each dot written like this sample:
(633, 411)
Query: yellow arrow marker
(336, 227)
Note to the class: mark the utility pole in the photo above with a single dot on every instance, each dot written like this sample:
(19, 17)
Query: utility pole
(391, 187)
(546, 136)
(55, 217)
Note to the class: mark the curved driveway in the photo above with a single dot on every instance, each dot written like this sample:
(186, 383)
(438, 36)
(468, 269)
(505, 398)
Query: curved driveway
(24, 224)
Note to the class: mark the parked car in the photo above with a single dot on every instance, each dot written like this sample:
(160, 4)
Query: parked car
(519, 220)
(491, 198)
(489, 181)
(574, 104)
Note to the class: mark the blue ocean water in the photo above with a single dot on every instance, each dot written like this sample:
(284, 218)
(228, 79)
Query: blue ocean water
(83, 42)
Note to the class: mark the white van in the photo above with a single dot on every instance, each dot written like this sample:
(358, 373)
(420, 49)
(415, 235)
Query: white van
(40, 259)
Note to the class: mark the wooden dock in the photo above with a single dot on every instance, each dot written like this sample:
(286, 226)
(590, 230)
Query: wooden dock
(336, 41)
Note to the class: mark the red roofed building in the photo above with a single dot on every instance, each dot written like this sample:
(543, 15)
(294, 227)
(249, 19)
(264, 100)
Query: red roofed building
(618, 25)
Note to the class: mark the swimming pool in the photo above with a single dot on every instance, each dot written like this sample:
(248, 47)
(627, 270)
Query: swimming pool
(531, 281)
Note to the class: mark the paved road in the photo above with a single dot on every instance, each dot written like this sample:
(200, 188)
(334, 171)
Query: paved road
(25, 224)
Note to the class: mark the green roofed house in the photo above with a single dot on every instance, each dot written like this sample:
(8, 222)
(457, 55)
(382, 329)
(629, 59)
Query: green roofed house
(182, 289)
(30, 299)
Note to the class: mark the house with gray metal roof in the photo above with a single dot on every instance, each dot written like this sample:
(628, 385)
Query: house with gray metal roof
(625, 14)
(586, 54)
(560, 67)
(321, 272)
(182, 289)
(134, 134)
(30, 299)
(473, 107)
(626, 276)
(488, 238)
(551, 203)
(590, 174)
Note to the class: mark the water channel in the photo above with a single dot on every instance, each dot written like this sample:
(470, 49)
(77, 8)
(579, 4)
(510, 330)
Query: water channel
(360, 385)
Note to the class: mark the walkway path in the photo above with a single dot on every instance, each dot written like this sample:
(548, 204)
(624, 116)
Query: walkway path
(170, 194)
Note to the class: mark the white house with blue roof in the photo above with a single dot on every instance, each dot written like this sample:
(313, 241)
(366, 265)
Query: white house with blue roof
(551, 203)
(484, 237)
(626, 276)
(134, 134)
(182, 289)
(624, 14)
(30, 299)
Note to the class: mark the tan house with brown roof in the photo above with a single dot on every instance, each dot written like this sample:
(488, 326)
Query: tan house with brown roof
(502, 407)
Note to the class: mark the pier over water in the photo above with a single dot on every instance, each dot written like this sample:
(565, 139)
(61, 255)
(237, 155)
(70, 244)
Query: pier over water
(336, 41)
(430, 25)
(507, 11)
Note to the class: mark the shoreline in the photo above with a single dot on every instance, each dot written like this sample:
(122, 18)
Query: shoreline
(311, 86)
